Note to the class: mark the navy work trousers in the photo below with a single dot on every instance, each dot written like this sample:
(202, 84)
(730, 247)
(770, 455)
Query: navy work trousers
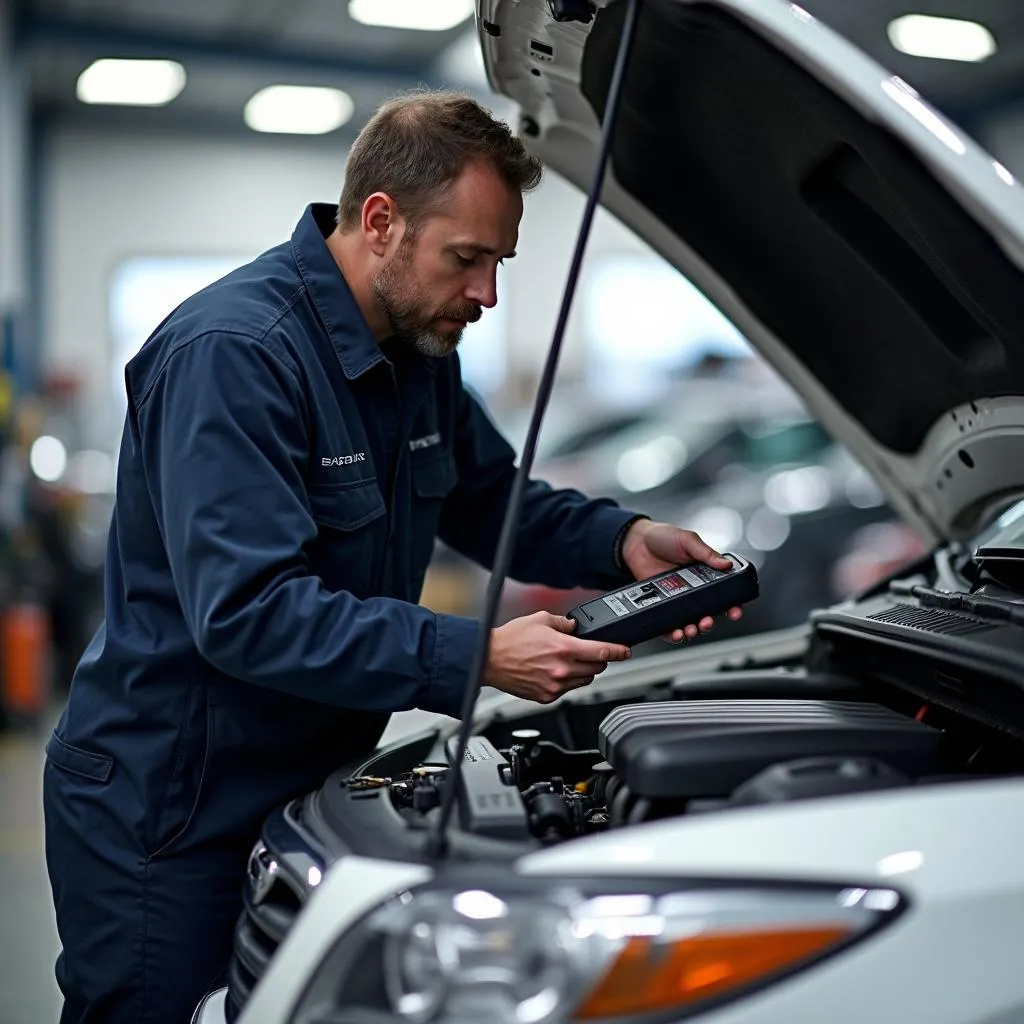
(144, 936)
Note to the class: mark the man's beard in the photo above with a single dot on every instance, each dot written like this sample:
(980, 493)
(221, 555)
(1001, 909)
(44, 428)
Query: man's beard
(408, 312)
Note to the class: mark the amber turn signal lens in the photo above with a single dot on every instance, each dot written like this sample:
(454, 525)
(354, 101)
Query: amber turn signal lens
(650, 976)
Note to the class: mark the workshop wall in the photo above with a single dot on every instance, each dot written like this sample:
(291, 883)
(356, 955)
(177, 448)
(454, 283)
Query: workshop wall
(112, 196)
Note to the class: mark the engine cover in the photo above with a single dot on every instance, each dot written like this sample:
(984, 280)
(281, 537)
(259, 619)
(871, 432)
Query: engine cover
(706, 748)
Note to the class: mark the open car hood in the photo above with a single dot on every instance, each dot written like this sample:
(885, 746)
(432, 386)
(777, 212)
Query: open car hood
(865, 246)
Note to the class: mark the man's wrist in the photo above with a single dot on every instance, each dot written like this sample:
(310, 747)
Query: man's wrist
(620, 541)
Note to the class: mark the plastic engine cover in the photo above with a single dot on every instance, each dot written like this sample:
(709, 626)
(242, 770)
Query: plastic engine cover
(706, 748)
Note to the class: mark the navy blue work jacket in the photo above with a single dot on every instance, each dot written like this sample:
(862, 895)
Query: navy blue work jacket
(280, 487)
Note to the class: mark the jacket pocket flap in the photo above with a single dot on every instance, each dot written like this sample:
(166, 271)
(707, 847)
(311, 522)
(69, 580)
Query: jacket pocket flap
(348, 507)
(434, 478)
(78, 761)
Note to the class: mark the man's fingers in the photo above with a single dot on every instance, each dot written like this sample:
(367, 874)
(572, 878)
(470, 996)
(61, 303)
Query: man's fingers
(699, 551)
(706, 625)
(691, 632)
(598, 651)
(677, 636)
(587, 668)
(560, 622)
(575, 682)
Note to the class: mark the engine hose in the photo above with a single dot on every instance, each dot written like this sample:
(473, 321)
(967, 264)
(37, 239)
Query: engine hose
(618, 811)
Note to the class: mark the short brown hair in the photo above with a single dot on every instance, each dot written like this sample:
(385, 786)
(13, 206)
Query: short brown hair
(416, 145)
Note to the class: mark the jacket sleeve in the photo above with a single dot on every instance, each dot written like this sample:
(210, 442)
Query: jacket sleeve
(564, 539)
(223, 438)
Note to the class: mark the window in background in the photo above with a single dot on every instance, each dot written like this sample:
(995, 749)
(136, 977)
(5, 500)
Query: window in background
(643, 321)
(144, 290)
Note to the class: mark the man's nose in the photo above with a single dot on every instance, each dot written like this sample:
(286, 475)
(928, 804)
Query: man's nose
(483, 290)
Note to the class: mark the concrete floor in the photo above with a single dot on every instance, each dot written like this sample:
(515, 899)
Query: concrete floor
(28, 935)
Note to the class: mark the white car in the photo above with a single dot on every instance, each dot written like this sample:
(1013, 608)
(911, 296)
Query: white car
(819, 825)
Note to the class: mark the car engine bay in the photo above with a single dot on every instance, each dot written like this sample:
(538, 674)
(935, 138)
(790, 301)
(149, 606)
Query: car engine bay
(665, 759)
(916, 682)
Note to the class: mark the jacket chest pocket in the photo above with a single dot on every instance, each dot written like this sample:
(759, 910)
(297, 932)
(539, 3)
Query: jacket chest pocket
(433, 479)
(350, 539)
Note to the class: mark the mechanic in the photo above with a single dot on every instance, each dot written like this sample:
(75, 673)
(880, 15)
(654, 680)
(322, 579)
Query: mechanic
(297, 435)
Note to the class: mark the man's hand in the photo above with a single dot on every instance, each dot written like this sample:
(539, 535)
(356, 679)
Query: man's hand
(651, 548)
(536, 657)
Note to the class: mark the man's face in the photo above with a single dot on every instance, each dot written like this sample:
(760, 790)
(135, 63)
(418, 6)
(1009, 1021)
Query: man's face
(440, 278)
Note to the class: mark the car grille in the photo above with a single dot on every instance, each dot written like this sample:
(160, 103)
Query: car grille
(271, 902)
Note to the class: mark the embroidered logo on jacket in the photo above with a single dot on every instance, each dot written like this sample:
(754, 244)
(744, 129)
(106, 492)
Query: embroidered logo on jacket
(343, 460)
(424, 442)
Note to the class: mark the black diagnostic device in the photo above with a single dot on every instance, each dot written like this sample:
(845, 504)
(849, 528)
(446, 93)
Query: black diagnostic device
(668, 601)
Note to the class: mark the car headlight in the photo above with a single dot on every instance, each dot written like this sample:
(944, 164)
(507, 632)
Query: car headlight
(532, 951)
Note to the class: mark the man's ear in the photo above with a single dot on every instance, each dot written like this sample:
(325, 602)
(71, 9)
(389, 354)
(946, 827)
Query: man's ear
(380, 222)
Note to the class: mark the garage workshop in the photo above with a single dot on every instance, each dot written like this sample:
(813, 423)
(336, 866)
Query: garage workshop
(511, 511)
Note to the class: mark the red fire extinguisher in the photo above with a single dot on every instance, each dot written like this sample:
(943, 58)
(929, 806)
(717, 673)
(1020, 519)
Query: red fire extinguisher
(25, 658)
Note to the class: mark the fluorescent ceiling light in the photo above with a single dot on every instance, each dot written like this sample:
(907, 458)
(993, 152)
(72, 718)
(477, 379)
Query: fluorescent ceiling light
(135, 83)
(922, 35)
(425, 15)
(298, 110)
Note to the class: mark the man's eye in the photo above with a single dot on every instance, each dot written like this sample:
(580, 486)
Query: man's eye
(465, 261)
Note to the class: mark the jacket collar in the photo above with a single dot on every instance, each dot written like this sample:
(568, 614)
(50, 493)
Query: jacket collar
(347, 328)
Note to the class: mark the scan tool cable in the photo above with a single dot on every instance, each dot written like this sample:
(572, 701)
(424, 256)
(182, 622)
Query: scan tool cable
(437, 843)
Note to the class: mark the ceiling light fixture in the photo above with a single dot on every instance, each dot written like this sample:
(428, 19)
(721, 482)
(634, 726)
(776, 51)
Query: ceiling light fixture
(922, 35)
(134, 83)
(298, 110)
(421, 15)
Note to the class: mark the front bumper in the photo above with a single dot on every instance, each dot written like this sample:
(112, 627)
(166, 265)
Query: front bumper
(967, 901)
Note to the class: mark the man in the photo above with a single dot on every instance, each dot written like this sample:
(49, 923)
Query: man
(297, 436)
